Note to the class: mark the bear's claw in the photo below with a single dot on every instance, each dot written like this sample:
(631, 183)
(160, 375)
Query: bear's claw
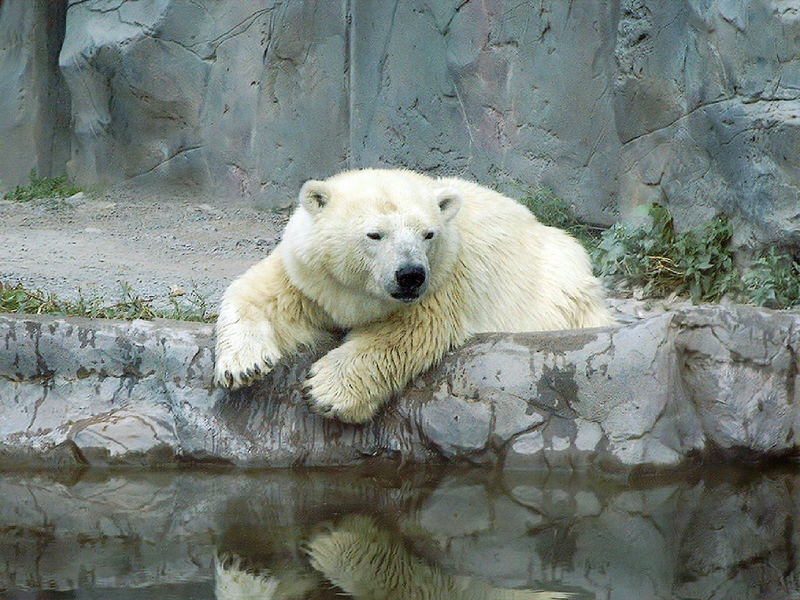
(245, 351)
(323, 411)
(233, 373)
(346, 413)
(234, 380)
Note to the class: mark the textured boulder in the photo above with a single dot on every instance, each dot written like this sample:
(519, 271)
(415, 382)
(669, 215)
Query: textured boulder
(697, 384)
(715, 538)
(509, 93)
(207, 93)
(708, 113)
(736, 371)
(613, 105)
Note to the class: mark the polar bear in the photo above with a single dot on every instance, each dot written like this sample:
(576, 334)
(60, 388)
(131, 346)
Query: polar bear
(409, 267)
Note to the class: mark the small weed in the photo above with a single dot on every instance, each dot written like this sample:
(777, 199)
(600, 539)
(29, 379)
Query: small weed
(17, 299)
(44, 187)
(194, 309)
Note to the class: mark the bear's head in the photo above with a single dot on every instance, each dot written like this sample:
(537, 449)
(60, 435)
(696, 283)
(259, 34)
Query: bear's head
(387, 234)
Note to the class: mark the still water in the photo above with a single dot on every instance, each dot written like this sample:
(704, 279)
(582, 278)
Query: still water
(448, 534)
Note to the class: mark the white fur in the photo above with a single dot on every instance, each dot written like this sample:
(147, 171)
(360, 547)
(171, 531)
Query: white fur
(367, 562)
(490, 266)
(233, 582)
(243, 343)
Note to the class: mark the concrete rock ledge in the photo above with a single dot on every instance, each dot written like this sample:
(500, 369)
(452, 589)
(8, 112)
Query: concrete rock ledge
(694, 385)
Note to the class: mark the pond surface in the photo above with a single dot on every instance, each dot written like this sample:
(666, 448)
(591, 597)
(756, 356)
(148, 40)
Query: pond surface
(450, 534)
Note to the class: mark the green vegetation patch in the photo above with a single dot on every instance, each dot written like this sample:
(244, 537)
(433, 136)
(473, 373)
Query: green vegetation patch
(774, 281)
(17, 299)
(660, 262)
(44, 187)
(698, 264)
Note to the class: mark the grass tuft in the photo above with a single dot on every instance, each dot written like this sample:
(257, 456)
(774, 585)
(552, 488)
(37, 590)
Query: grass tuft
(17, 299)
(44, 187)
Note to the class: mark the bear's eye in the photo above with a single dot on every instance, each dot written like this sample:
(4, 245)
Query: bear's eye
(428, 235)
(374, 235)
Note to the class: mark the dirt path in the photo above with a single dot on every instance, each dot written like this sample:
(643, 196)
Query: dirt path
(148, 240)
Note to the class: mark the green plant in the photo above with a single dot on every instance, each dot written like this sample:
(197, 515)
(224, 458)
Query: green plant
(195, 308)
(661, 262)
(774, 281)
(17, 299)
(553, 211)
(43, 187)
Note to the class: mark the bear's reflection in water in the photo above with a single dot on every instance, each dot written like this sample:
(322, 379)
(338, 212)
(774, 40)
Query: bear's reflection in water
(362, 558)
(717, 534)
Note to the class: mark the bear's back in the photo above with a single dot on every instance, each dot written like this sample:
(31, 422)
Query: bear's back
(518, 274)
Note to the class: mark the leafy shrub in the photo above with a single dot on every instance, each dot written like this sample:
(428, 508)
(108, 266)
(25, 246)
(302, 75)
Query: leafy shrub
(44, 187)
(660, 262)
(774, 281)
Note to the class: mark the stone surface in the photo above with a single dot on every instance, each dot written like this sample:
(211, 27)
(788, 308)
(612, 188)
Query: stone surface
(709, 110)
(722, 536)
(207, 94)
(514, 93)
(734, 369)
(612, 105)
(34, 103)
(697, 384)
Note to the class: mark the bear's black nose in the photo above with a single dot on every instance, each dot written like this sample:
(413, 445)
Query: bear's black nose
(410, 277)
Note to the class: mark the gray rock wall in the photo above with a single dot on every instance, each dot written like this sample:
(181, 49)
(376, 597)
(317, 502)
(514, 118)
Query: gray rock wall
(509, 92)
(697, 385)
(227, 95)
(613, 105)
(34, 101)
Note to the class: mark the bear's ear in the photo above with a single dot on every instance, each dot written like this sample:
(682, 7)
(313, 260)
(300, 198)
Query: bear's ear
(449, 201)
(314, 195)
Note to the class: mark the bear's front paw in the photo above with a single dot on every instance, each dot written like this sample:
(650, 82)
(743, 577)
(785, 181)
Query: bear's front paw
(244, 355)
(334, 390)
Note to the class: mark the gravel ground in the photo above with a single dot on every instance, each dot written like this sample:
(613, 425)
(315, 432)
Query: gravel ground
(147, 239)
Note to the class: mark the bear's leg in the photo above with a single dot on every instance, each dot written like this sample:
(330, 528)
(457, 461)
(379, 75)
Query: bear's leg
(262, 318)
(353, 381)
